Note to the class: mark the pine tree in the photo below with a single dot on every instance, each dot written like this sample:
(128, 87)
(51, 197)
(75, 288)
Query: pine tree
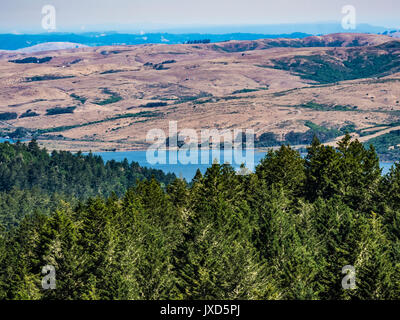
(337, 231)
(217, 260)
(284, 166)
(60, 248)
(376, 276)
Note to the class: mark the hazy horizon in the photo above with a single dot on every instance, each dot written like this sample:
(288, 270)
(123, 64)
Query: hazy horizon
(19, 16)
(289, 28)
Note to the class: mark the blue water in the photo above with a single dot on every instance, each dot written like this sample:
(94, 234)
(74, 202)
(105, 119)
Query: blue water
(386, 166)
(9, 140)
(186, 171)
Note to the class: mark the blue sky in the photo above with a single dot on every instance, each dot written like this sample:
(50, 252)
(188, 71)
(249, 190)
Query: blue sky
(25, 15)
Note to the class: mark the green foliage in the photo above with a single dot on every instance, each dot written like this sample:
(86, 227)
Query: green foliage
(283, 232)
(8, 115)
(46, 78)
(153, 105)
(59, 110)
(29, 113)
(269, 139)
(111, 71)
(32, 60)
(329, 67)
(321, 107)
(26, 166)
(16, 204)
(198, 41)
(384, 142)
(349, 171)
(244, 91)
(114, 97)
(82, 100)
(217, 259)
(284, 167)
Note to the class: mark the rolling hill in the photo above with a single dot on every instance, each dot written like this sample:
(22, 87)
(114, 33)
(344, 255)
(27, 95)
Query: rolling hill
(108, 98)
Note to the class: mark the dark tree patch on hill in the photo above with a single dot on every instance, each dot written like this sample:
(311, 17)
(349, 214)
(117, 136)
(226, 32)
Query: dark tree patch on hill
(323, 107)
(155, 66)
(150, 105)
(168, 61)
(387, 145)
(183, 99)
(59, 110)
(20, 133)
(46, 77)
(247, 90)
(115, 97)
(75, 61)
(81, 99)
(106, 53)
(111, 71)
(270, 139)
(32, 60)
(333, 67)
(202, 41)
(8, 115)
(29, 113)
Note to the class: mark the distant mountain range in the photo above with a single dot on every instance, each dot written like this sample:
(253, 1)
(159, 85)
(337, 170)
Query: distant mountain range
(180, 35)
(16, 41)
(50, 46)
(319, 28)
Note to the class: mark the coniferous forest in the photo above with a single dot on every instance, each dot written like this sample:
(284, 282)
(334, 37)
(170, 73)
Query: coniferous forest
(118, 231)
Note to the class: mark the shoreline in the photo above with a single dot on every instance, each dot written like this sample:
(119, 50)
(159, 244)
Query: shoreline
(80, 146)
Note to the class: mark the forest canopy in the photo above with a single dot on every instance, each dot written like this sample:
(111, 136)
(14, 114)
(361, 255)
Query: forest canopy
(282, 232)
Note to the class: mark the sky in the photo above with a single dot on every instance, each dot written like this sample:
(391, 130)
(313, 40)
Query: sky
(102, 15)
